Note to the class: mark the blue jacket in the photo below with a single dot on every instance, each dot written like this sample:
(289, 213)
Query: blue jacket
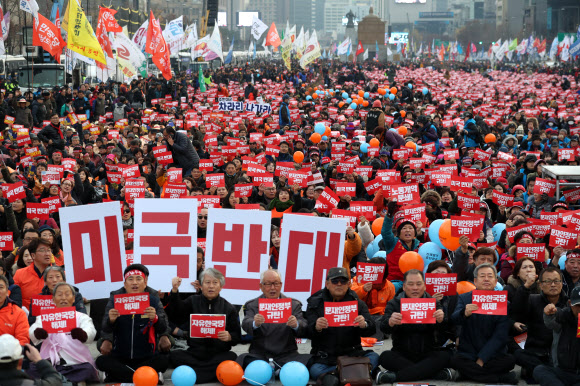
(482, 336)
(284, 109)
(470, 137)
(428, 135)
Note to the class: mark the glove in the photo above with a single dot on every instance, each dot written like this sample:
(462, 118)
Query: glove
(391, 208)
(40, 334)
(79, 334)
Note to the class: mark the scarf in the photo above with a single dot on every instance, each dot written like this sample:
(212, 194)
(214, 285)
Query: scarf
(279, 205)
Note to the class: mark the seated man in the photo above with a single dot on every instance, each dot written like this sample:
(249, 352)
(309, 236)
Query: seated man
(415, 355)
(461, 266)
(129, 342)
(528, 308)
(482, 353)
(328, 343)
(13, 319)
(205, 354)
(30, 279)
(67, 352)
(565, 351)
(273, 340)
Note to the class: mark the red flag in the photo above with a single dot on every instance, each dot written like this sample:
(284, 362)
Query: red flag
(57, 19)
(359, 49)
(47, 35)
(157, 47)
(273, 39)
(467, 53)
(103, 38)
(107, 15)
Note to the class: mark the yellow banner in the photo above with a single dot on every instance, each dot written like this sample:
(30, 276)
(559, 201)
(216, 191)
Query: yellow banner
(81, 37)
(287, 52)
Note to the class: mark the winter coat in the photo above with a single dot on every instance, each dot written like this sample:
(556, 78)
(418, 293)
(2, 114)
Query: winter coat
(13, 321)
(376, 299)
(565, 344)
(23, 116)
(394, 248)
(48, 376)
(183, 152)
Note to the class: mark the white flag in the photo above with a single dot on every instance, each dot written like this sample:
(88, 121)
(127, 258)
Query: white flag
(389, 52)
(565, 54)
(265, 47)
(343, 48)
(174, 34)
(200, 48)
(554, 48)
(215, 42)
(312, 51)
(140, 37)
(30, 6)
(502, 50)
(258, 27)
(298, 41)
(190, 36)
(251, 47)
(366, 54)
(128, 51)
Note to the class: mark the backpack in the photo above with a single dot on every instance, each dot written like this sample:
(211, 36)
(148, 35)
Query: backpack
(118, 113)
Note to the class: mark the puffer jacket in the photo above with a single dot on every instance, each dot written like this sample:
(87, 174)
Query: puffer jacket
(565, 345)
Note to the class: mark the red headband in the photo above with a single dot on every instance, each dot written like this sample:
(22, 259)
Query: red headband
(134, 272)
(573, 256)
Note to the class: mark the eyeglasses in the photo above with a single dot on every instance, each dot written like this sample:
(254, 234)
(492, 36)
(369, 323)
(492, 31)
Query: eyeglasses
(200, 217)
(127, 210)
(550, 282)
(43, 251)
(339, 280)
(275, 284)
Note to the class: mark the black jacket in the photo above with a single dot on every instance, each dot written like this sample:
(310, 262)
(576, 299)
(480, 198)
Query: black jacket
(127, 333)
(183, 152)
(412, 340)
(333, 342)
(51, 132)
(205, 348)
(48, 376)
(528, 308)
(566, 346)
(482, 336)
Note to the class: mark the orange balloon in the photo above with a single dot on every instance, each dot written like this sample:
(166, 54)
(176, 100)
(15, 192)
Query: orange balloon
(403, 113)
(327, 131)
(464, 287)
(448, 241)
(340, 104)
(315, 138)
(298, 156)
(394, 90)
(374, 142)
(359, 101)
(229, 373)
(145, 376)
(402, 130)
(411, 145)
(314, 96)
(361, 93)
(365, 103)
(382, 91)
(490, 138)
(411, 260)
(378, 226)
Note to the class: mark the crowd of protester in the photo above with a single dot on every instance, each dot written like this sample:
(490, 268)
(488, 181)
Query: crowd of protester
(525, 115)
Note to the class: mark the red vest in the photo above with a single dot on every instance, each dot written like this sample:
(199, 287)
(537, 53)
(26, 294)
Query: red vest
(393, 261)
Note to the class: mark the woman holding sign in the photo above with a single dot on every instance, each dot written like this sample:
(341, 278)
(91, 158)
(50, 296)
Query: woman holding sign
(65, 335)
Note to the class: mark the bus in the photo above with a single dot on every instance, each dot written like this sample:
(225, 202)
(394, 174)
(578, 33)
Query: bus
(9, 64)
(43, 75)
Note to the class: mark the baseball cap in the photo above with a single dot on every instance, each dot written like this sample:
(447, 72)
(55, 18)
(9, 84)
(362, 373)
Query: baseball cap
(574, 296)
(10, 349)
(333, 273)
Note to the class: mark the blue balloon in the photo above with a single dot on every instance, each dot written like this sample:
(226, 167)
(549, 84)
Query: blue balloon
(344, 95)
(348, 100)
(324, 138)
(377, 240)
(498, 286)
(392, 96)
(364, 147)
(429, 252)
(497, 230)
(371, 250)
(183, 376)
(382, 254)
(258, 373)
(434, 232)
(320, 128)
(353, 106)
(425, 91)
(308, 97)
(394, 130)
(562, 262)
(410, 86)
(294, 374)
(366, 95)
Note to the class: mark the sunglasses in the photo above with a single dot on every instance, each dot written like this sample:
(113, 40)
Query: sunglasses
(202, 217)
(127, 210)
(339, 280)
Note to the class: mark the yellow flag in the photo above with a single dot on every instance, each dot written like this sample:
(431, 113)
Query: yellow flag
(81, 37)
(64, 21)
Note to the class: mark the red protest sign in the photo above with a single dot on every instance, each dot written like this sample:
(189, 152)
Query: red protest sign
(346, 189)
(37, 210)
(275, 310)
(533, 251)
(265, 178)
(439, 178)
(340, 314)
(450, 154)
(405, 193)
(348, 215)
(6, 241)
(298, 177)
(563, 237)
(248, 206)
(328, 197)
(490, 302)
(207, 201)
(469, 226)
(462, 184)
(468, 202)
(216, 180)
(545, 186)
(174, 175)
(415, 213)
(500, 198)
(58, 319)
(131, 171)
(206, 325)
(39, 303)
(418, 311)
(373, 186)
(511, 232)
(370, 273)
(14, 192)
(444, 283)
(132, 304)
(206, 164)
(243, 190)
(364, 208)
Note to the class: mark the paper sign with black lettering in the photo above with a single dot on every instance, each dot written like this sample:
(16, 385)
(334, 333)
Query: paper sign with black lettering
(444, 283)
(206, 325)
(490, 302)
(370, 273)
(275, 310)
(238, 245)
(58, 320)
(340, 314)
(418, 311)
(165, 238)
(94, 251)
(132, 304)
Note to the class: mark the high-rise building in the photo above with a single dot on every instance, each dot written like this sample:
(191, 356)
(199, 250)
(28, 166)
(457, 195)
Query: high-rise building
(273, 11)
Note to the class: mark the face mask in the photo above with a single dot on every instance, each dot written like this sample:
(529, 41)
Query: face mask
(570, 123)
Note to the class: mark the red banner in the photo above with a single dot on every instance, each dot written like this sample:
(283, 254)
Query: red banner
(370, 273)
(462, 184)
(563, 237)
(328, 197)
(35, 210)
(533, 251)
(418, 311)
(275, 310)
(500, 199)
(346, 189)
(545, 186)
(445, 283)
(58, 319)
(14, 192)
(469, 226)
(243, 190)
(206, 326)
(39, 303)
(404, 193)
(132, 304)
(415, 213)
(216, 180)
(349, 216)
(340, 314)
(490, 302)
